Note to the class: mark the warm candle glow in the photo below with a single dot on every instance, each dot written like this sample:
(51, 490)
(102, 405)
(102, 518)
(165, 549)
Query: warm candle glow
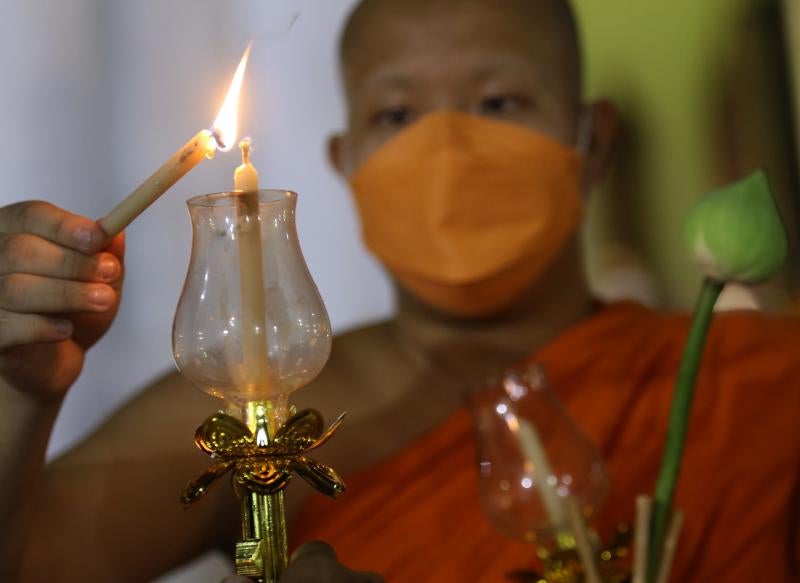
(203, 145)
(226, 126)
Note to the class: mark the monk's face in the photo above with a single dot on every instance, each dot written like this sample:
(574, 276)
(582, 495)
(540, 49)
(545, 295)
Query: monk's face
(503, 59)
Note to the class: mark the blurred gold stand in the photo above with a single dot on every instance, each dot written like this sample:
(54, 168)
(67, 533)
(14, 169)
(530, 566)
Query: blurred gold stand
(562, 563)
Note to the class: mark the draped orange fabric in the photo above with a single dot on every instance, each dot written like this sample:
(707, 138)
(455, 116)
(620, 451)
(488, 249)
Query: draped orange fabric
(417, 517)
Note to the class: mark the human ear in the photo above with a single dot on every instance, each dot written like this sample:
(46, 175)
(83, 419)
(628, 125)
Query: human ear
(603, 139)
(336, 155)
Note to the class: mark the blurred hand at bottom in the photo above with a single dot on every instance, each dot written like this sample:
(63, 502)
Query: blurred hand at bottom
(316, 562)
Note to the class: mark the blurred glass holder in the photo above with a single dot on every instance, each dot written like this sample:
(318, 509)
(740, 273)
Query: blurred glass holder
(251, 328)
(541, 479)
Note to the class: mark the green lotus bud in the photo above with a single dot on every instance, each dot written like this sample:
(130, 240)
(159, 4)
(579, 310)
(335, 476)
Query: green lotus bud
(736, 233)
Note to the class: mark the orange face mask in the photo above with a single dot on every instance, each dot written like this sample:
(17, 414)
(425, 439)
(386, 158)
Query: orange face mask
(467, 212)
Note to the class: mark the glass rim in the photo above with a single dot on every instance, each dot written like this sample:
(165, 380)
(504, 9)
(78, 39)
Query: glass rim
(266, 196)
(535, 369)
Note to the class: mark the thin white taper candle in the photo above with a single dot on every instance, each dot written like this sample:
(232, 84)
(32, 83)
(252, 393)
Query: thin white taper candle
(201, 146)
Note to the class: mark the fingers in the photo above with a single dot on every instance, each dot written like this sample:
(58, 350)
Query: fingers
(117, 246)
(33, 255)
(51, 265)
(317, 561)
(55, 225)
(20, 329)
(312, 550)
(21, 292)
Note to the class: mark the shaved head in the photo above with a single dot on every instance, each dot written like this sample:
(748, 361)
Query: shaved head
(552, 21)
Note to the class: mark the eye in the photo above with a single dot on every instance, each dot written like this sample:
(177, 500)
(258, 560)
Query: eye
(501, 105)
(395, 116)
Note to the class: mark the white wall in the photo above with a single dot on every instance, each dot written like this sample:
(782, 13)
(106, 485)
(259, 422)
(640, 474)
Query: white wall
(97, 94)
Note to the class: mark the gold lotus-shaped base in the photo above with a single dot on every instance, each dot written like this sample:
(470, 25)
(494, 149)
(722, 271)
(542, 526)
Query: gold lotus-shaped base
(261, 467)
(264, 469)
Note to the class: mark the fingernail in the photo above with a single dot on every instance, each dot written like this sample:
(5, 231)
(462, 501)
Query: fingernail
(84, 238)
(63, 328)
(101, 296)
(108, 269)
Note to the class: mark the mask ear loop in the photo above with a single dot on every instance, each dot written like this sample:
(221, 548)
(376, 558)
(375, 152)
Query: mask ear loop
(583, 142)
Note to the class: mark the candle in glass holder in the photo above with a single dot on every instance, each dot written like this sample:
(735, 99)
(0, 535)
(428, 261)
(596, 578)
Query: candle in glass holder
(254, 342)
(210, 330)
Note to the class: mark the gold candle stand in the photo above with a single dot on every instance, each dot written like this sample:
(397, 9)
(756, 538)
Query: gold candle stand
(262, 457)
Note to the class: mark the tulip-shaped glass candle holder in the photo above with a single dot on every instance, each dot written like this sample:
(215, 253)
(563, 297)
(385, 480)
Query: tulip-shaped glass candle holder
(251, 328)
(540, 476)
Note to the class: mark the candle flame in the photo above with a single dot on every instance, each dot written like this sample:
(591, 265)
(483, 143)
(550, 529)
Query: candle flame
(226, 126)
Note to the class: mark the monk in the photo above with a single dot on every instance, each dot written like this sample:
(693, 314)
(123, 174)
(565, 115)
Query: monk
(470, 150)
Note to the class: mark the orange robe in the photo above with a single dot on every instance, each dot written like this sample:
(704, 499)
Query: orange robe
(417, 517)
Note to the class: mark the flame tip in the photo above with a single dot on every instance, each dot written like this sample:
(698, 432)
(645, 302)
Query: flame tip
(225, 127)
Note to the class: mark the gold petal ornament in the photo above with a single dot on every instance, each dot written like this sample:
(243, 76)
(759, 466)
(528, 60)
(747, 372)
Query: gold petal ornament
(264, 469)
